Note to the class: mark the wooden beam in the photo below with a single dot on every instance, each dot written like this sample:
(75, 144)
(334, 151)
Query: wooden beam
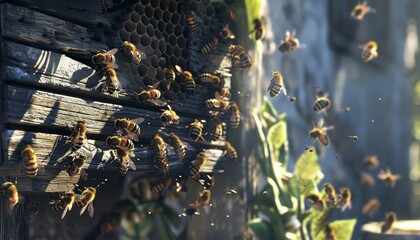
(14, 225)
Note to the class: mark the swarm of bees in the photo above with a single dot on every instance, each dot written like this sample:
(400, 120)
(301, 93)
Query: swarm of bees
(330, 199)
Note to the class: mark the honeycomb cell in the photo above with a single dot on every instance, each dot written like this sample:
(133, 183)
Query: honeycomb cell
(182, 42)
(184, 53)
(178, 30)
(177, 52)
(145, 2)
(151, 72)
(148, 11)
(164, 4)
(172, 40)
(145, 40)
(145, 20)
(160, 74)
(134, 38)
(169, 50)
(161, 26)
(210, 11)
(150, 31)
(139, 9)
(135, 17)
(162, 45)
(154, 60)
(158, 14)
(148, 50)
(124, 35)
(186, 33)
(173, 60)
(169, 28)
(154, 3)
(130, 26)
(182, 62)
(172, 6)
(141, 29)
(148, 81)
(162, 62)
(155, 43)
(166, 16)
(142, 70)
(154, 22)
(194, 6)
(176, 18)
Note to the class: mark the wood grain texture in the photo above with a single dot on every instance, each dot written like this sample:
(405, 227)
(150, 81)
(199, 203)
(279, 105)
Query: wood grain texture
(14, 226)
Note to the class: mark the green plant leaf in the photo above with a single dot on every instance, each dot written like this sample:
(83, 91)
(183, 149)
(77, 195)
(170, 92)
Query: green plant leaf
(307, 167)
(307, 187)
(342, 229)
(261, 229)
(319, 221)
(277, 135)
(268, 113)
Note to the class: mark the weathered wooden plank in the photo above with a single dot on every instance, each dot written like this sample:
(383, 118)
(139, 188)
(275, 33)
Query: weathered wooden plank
(25, 25)
(27, 65)
(50, 147)
(84, 13)
(14, 225)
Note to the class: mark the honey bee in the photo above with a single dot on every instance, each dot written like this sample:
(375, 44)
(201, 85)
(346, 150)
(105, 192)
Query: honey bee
(371, 161)
(161, 158)
(107, 58)
(31, 166)
(216, 132)
(225, 93)
(367, 179)
(85, 200)
(216, 104)
(390, 219)
(9, 192)
(214, 80)
(76, 166)
(191, 18)
(235, 115)
(329, 233)
(170, 74)
(360, 10)
(123, 143)
(206, 181)
(230, 151)
(151, 95)
(318, 133)
(122, 160)
(316, 201)
(371, 207)
(130, 127)
(230, 14)
(231, 192)
(161, 184)
(292, 99)
(202, 200)
(196, 130)
(239, 57)
(186, 79)
(131, 49)
(276, 85)
(290, 43)
(344, 199)
(178, 145)
(259, 29)
(330, 196)
(226, 33)
(209, 46)
(370, 51)
(196, 165)
(169, 117)
(389, 178)
(354, 138)
(111, 81)
(65, 203)
(78, 136)
(321, 104)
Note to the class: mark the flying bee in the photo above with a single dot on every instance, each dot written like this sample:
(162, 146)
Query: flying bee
(316, 201)
(330, 197)
(178, 145)
(367, 179)
(235, 115)
(321, 104)
(196, 130)
(226, 33)
(107, 58)
(276, 85)
(112, 84)
(123, 143)
(390, 219)
(206, 181)
(370, 51)
(161, 184)
(292, 99)
(76, 166)
(329, 232)
(389, 178)
(161, 157)
(230, 151)
(360, 10)
(212, 79)
(85, 200)
(231, 192)
(209, 46)
(196, 165)
(259, 29)
(122, 160)
(318, 133)
(186, 79)
(216, 132)
(64, 203)
(354, 138)
(169, 117)
(371, 161)
(290, 43)
(130, 127)
(9, 192)
(202, 200)
(344, 199)
(371, 207)
(31, 166)
(133, 51)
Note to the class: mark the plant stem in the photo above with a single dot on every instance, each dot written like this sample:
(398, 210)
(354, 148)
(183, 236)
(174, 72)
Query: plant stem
(303, 233)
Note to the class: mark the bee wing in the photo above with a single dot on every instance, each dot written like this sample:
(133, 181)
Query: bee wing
(112, 51)
(79, 197)
(197, 17)
(65, 211)
(133, 136)
(84, 208)
(157, 102)
(320, 123)
(90, 209)
(114, 65)
(83, 174)
(141, 54)
(131, 164)
(179, 69)
(41, 168)
(138, 120)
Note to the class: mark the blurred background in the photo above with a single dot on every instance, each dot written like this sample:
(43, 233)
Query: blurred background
(383, 95)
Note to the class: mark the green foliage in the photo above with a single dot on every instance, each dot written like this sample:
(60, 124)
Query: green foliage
(342, 229)
(284, 193)
(252, 11)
